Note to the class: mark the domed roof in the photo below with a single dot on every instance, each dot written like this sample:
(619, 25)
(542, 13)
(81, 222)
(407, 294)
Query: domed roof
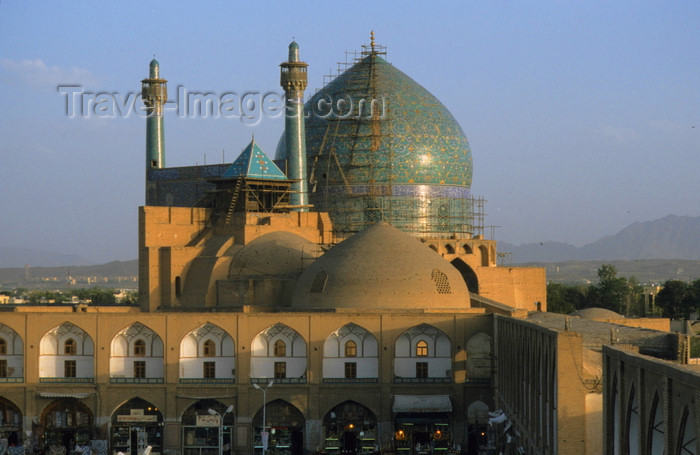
(274, 254)
(381, 267)
(378, 144)
(419, 141)
(596, 313)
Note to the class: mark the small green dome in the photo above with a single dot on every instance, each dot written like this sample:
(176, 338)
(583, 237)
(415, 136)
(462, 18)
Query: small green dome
(293, 52)
(154, 63)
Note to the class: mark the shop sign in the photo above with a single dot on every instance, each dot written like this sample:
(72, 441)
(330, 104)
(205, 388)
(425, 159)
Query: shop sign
(208, 420)
(137, 418)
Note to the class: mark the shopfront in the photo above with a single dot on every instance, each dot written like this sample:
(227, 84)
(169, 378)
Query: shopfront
(350, 428)
(67, 423)
(136, 425)
(422, 424)
(206, 428)
(284, 427)
(10, 424)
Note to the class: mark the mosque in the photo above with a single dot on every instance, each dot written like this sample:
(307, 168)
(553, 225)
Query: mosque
(339, 299)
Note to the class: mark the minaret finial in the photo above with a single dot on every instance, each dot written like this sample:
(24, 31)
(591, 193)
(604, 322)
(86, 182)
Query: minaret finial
(371, 39)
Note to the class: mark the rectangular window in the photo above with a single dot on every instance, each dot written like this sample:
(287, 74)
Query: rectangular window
(280, 370)
(210, 370)
(139, 369)
(350, 370)
(421, 369)
(3, 368)
(69, 369)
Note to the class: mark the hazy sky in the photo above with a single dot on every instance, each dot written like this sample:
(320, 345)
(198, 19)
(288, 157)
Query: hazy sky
(582, 116)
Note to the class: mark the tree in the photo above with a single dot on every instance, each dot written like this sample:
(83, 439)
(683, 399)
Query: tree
(673, 300)
(565, 298)
(611, 292)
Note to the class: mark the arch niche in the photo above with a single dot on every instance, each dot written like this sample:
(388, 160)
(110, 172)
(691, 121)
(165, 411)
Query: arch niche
(67, 422)
(200, 428)
(468, 275)
(350, 428)
(285, 425)
(136, 424)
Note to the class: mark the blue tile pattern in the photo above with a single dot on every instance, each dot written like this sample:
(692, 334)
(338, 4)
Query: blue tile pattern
(408, 158)
(254, 163)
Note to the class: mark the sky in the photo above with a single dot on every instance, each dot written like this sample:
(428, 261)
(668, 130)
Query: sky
(582, 116)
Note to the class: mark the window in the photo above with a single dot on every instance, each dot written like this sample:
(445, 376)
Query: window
(280, 348)
(280, 370)
(421, 349)
(70, 347)
(350, 370)
(139, 348)
(350, 349)
(3, 368)
(209, 370)
(3, 346)
(69, 369)
(209, 349)
(422, 370)
(139, 369)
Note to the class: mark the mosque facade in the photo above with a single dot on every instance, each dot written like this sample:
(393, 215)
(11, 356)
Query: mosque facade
(340, 299)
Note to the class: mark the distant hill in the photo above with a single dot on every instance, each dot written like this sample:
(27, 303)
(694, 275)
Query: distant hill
(18, 257)
(119, 274)
(645, 270)
(671, 237)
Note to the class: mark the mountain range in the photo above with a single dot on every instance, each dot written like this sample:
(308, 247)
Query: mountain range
(671, 237)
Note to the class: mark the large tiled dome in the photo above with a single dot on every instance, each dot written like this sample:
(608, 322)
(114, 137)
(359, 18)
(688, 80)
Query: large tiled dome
(407, 161)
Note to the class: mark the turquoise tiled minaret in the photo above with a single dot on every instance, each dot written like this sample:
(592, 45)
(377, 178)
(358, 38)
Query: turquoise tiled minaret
(154, 92)
(293, 79)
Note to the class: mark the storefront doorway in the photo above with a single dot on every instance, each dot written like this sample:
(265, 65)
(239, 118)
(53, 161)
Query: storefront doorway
(136, 425)
(422, 433)
(203, 431)
(350, 429)
(285, 427)
(10, 424)
(67, 422)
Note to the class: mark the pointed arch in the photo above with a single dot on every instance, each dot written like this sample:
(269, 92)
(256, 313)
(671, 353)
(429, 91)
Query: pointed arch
(468, 275)
(268, 359)
(687, 434)
(352, 424)
(11, 355)
(633, 424)
(657, 426)
(66, 351)
(423, 354)
(136, 355)
(484, 253)
(350, 354)
(478, 413)
(207, 355)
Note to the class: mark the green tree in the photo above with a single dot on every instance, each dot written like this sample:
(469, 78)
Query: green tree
(556, 299)
(673, 301)
(565, 298)
(611, 292)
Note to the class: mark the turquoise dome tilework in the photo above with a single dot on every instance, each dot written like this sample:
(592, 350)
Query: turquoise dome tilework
(380, 146)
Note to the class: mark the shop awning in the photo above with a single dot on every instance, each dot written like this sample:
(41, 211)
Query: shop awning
(63, 395)
(422, 403)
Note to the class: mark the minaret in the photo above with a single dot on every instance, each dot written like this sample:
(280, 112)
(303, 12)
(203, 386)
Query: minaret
(154, 92)
(293, 79)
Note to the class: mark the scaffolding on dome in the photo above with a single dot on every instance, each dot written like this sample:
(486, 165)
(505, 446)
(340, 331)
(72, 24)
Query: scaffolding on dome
(355, 204)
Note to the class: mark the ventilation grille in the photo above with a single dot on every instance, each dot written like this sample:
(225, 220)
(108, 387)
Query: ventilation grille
(442, 284)
(319, 283)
